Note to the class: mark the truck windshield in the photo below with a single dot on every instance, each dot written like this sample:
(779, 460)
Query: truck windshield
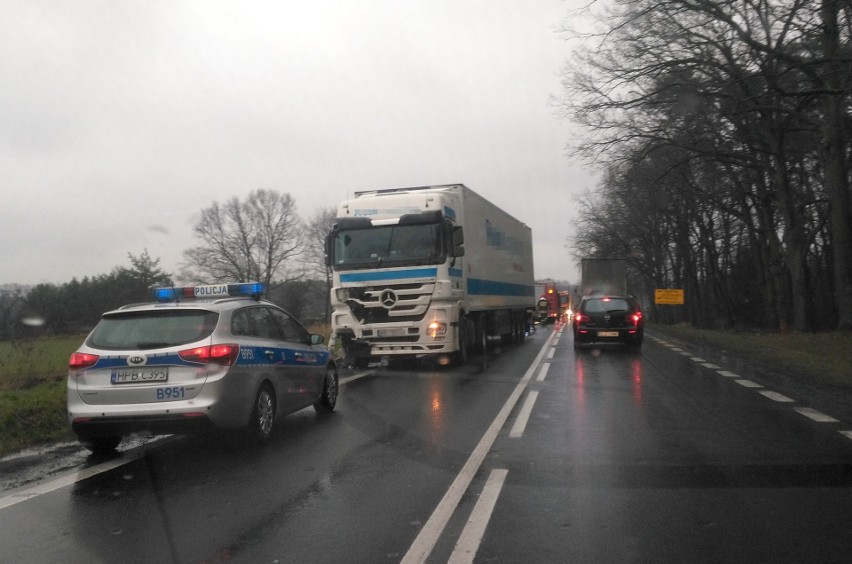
(391, 245)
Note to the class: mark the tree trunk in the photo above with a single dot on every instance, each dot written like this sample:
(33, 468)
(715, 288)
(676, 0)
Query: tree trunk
(835, 165)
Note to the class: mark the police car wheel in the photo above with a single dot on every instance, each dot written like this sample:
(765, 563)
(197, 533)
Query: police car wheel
(328, 399)
(100, 445)
(263, 414)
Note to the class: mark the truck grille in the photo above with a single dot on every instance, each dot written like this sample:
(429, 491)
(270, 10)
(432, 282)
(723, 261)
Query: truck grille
(395, 302)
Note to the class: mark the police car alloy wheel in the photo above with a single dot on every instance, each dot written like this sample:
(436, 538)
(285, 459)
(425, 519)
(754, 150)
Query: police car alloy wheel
(330, 388)
(263, 416)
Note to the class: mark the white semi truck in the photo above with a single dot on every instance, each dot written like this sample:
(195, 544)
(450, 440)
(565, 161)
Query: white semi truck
(432, 270)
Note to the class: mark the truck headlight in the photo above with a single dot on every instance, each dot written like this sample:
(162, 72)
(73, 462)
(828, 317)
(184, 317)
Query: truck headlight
(342, 294)
(436, 329)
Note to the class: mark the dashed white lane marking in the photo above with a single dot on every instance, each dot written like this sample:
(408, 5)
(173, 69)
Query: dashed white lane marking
(542, 374)
(815, 415)
(471, 536)
(550, 353)
(355, 376)
(524, 415)
(748, 383)
(431, 531)
(808, 412)
(775, 396)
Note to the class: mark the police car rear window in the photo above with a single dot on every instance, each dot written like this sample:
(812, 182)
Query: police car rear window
(154, 329)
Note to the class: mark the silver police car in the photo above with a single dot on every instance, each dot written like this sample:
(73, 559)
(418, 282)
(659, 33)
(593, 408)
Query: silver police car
(197, 358)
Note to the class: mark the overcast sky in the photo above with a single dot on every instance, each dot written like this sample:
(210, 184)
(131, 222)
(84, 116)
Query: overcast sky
(120, 120)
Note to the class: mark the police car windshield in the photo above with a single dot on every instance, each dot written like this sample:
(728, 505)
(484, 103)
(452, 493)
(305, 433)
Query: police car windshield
(152, 329)
(391, 244)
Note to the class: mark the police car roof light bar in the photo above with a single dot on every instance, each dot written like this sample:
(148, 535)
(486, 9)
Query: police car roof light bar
(208, 291)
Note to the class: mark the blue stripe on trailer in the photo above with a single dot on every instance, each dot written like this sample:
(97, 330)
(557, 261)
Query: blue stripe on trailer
(479, 287)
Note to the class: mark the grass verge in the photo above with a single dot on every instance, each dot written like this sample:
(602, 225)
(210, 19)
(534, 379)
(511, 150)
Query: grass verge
(33, 416)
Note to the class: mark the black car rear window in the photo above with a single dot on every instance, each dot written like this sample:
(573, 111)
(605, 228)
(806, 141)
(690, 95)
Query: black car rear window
(601, 305)
(152, 329)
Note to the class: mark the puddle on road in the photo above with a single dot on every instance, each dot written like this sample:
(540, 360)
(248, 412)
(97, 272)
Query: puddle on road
(33, 465)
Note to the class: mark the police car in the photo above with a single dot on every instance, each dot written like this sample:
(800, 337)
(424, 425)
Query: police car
(196, 358)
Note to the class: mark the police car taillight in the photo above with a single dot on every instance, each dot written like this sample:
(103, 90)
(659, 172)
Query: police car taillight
(79, 361)
(225, 355)
(208, 291)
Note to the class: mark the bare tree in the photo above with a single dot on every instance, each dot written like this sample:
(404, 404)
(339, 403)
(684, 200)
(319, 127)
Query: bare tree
(250, 240)
(748, 97)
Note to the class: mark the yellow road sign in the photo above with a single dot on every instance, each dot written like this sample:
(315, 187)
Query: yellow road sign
(668, 296)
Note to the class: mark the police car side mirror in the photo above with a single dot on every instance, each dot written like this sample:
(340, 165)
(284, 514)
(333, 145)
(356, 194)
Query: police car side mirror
(317, 339)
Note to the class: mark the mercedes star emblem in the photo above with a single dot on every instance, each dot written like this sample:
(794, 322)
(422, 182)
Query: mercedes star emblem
(388, 299)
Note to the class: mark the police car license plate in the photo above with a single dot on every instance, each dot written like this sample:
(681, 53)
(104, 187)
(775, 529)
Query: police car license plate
(607, 333)
(140, 375)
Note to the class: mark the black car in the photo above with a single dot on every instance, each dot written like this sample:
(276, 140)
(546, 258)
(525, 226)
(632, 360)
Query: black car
(608, 319)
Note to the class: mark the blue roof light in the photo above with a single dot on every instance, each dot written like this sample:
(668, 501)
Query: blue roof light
(209, 291)
(164, 294)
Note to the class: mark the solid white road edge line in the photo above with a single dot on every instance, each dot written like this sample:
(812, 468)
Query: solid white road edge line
(524, 415)
(72, 478)
(471, 536)
(432, 529)
(66, 480)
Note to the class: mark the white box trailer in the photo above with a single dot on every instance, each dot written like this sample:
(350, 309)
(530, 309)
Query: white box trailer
(432, 270)
(602, 276)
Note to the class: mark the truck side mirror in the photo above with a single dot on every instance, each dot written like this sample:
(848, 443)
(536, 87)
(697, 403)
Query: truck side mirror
(458, 241)
(328, 243)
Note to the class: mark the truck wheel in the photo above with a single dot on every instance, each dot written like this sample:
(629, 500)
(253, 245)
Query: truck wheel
(520, 328)
(461, 355)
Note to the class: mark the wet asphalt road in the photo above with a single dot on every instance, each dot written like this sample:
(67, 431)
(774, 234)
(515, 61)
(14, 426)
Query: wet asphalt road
(548, 455)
